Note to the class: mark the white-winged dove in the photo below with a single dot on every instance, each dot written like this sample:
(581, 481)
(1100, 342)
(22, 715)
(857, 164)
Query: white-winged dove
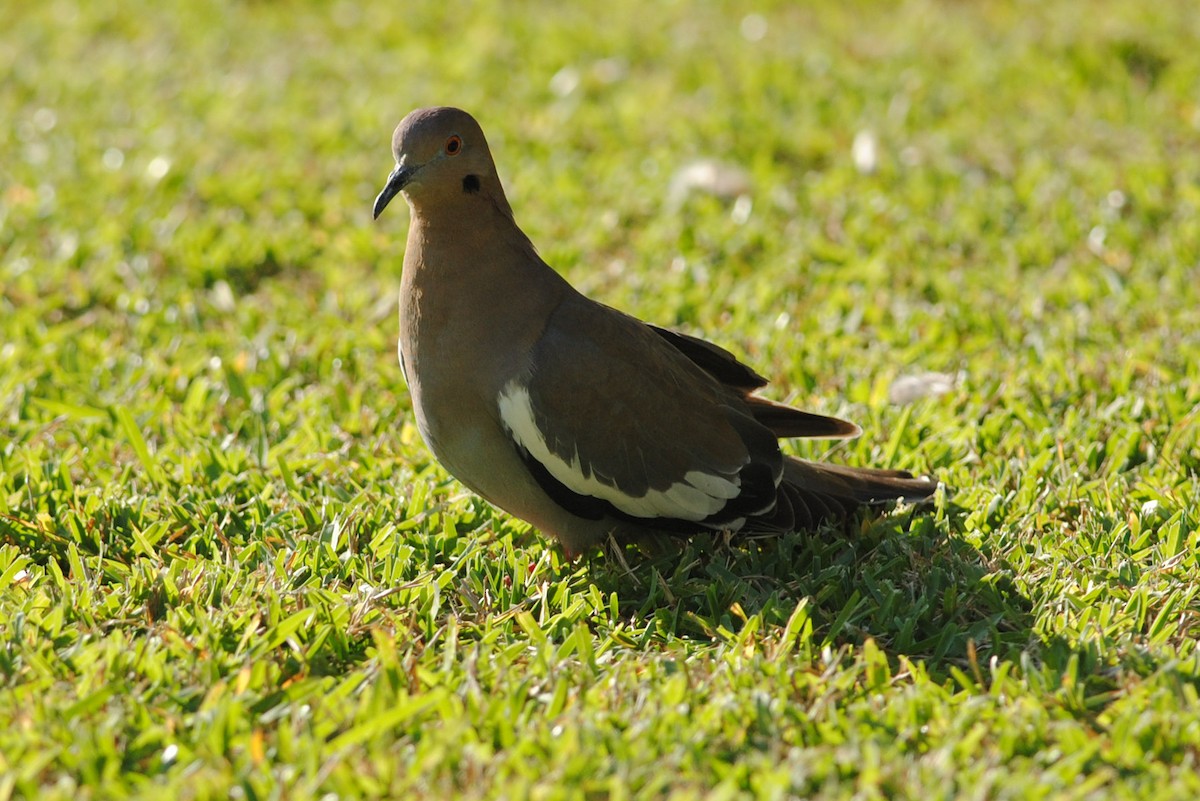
(567, 413)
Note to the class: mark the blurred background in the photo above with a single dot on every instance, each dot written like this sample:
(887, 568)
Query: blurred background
(895, 172)
(990, 202)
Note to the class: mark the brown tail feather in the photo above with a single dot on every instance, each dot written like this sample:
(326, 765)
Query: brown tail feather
(786, 422)
(812, 493)
(858, 485)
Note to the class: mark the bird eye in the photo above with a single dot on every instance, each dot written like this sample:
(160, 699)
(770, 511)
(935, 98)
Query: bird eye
(453, 146)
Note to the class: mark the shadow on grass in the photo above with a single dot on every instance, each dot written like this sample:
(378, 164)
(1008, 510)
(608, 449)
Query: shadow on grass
(908, 580)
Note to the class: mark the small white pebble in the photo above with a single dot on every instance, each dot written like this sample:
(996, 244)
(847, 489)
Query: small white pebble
(709, 176)
(909, 388)
(68, 245)
(158, 167)
(609, 70)
(865, 152)
(222, 298)
(37, 153)
(565, 81)
(45, 119)
(754, 27)
(742, 207)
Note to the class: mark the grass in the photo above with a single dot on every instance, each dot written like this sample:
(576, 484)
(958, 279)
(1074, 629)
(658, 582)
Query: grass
(230, 569)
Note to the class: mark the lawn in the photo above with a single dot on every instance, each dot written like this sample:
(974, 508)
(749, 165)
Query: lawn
(229, 568)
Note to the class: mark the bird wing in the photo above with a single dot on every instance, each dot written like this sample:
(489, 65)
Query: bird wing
(784, 421)
(612, 418)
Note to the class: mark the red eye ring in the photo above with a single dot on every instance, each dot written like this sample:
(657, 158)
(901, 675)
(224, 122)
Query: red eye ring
(453, 145)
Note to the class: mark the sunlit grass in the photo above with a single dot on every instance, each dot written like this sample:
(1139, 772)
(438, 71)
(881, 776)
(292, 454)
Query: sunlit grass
(229, 567)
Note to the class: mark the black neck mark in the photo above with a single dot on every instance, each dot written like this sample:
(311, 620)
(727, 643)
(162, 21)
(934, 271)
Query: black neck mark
(471, 184)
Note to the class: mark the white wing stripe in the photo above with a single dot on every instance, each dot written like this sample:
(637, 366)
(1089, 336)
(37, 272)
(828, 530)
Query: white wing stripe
(698, 496)
(716, 486)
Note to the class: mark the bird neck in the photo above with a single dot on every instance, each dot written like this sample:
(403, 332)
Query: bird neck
(471, 232)
(472, 255)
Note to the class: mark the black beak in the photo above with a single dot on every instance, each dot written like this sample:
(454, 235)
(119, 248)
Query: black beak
(395, 182)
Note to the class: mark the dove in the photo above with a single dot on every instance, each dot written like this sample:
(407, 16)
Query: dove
(569, 414)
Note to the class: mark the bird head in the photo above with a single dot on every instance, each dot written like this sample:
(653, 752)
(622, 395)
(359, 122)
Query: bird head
(441, 154)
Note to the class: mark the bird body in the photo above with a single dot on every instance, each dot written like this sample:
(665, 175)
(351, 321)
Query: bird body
(567, 413)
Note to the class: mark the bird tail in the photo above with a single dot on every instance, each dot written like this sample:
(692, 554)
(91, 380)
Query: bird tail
(812, 493)
(864, 485)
